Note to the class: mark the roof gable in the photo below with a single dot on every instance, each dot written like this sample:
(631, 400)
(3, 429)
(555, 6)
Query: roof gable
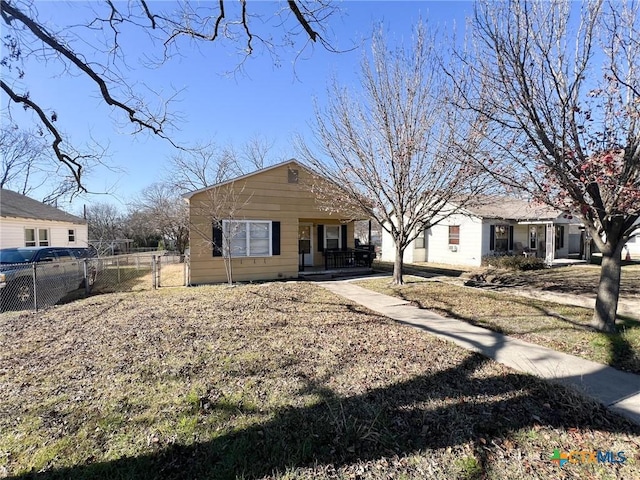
(242, 177)
(15, 205)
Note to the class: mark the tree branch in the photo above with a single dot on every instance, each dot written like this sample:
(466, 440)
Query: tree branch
(73, 165)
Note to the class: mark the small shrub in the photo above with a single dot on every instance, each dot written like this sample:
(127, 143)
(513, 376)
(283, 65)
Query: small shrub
(513, 262)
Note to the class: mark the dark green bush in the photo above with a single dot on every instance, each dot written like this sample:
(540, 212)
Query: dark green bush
(513, 262)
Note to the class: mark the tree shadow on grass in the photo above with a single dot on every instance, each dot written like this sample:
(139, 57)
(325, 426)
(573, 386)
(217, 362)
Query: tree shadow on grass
(454, 406)
(620, 353)
(424, 271)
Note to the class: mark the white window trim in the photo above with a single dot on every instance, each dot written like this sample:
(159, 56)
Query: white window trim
(48, 237)
(449, 236)
(225, 240)
(339, 236)
(36, 237)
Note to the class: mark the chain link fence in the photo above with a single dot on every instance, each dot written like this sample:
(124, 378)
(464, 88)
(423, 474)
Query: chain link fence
(33, 286)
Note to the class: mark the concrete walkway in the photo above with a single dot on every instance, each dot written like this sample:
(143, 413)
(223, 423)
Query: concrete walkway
(619, 391)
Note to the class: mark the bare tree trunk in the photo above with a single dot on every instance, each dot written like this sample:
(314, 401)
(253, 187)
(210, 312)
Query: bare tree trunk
(604, 316)
(229, 270)
(398, 266)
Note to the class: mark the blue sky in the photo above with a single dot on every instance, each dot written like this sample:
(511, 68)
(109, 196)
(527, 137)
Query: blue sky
(273, 102)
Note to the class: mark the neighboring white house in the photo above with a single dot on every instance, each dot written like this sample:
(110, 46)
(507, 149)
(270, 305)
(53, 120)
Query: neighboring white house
(498, 225)
(633, 245)
(25, 222)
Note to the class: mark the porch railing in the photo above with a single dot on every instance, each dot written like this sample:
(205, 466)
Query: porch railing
(349, 258)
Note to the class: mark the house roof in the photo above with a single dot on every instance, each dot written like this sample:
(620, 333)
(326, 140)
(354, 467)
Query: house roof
(508, 208)
(242, 177)
(15, 205)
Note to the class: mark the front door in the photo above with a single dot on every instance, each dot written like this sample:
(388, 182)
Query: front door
(305, 247)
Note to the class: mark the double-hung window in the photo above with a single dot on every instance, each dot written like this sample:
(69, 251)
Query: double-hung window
(43, 237)
(247, 238)
(502, 238)
(332, 237)
(454, 234)
(36, 237)
(30, 237)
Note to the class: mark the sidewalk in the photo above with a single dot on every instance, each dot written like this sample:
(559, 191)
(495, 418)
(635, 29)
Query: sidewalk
(617, 390)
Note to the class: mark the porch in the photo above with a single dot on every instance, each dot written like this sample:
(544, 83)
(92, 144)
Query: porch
(349, 260)
(331, 246)
(555, 242)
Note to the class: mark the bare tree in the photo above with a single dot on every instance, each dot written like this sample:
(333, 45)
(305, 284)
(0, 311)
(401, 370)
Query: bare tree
(209, 164)
(25, 166)
(200, 167)
(256, 153)
(391, 151)
(21, 160)
(139, 227)
(105, 224)
(166, 212)
(96, 50)
(557, 86)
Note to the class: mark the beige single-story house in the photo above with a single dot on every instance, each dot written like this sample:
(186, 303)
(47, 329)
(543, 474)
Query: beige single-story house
(269, 224)
(25, 222)
(494, 226)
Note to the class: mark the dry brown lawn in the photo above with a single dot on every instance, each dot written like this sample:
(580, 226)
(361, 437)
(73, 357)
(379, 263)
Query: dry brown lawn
(562, 327)
(577, 279)
(279, 380)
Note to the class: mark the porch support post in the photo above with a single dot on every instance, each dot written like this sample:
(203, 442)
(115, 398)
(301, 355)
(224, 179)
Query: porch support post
(370, 242)
(550, 236)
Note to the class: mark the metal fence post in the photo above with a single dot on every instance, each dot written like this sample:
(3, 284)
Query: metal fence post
(85, 272)
(153, 271)
(118, 268)
(159, 269)
(35, 290)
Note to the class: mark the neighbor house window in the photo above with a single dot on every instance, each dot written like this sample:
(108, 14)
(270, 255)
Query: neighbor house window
(502, 238)
(36, 237)
(43, 237)
(454, 234)
(72, 235)
(332, 237)
(420, 240)
(247, 238)
(30, 237)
